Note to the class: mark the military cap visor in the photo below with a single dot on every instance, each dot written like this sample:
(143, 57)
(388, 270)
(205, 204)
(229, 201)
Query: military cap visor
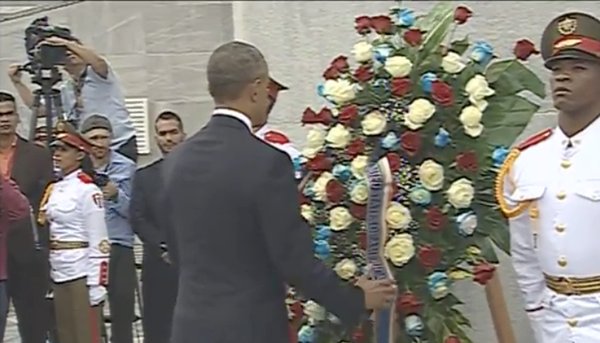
(275, 87)
(72, 140)
(571, 36)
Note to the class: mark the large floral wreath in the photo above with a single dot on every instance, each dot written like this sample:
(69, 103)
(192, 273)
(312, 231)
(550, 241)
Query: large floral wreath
(443, 113)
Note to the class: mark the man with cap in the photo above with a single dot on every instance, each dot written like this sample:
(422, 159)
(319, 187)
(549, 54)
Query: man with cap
(549, 189)
(114, 174)
(277, 138)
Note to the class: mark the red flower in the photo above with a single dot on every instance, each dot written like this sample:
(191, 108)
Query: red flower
(331, 73)
(483, 272)
(394, 161)
(382, 24)
(441, 93)
(296, 309)
(435, 218)
(319, 163)
(304, 200)
(358, 211)
(400, 86)
(452, 339)
(410, 142)
(362, 24)
(462, 14)
(408, 303)
(355, 148)
(361, 238)
(311, 117)
(348, 115)
(525, 48)
(413, 37)
(340, 63)
(429, 256)
(363, 73)
(467, 162)
(335, 191)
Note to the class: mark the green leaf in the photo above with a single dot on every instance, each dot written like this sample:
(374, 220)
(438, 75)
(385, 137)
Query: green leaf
(511, 77)
(460, 318)
(460, 46)
(441, 17)
(506, 117)
(497, 229)
(437, 13)
(487, 248)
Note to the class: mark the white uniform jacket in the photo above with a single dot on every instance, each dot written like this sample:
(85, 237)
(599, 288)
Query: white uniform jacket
(558, 233)
(281, 142)
(79, 245)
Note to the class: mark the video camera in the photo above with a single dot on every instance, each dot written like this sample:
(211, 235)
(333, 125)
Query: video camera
(44, 56)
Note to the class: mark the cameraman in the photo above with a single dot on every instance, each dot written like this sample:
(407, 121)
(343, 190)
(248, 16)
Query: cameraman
(92, 88)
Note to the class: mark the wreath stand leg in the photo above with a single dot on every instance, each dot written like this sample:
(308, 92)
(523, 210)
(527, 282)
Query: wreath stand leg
(498, 310)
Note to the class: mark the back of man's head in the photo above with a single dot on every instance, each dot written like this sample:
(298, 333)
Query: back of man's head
(232, 67)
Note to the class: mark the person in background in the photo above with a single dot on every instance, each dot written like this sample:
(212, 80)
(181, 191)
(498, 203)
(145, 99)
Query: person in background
(30, 166)
(79, 246)
(114, 174)
(92, 87)
(159, 277)
(14, 206)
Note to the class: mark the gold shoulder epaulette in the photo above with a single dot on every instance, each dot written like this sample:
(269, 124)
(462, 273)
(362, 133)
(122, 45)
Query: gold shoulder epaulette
(504, 172)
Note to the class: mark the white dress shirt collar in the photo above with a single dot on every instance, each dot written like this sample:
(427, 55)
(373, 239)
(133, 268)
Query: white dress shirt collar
(235, 114)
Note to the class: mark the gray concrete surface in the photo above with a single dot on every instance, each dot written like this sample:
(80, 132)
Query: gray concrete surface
(160, 49)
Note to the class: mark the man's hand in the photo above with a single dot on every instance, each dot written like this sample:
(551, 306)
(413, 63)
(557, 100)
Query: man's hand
(110, 191)
(14, 73)
(379, 294)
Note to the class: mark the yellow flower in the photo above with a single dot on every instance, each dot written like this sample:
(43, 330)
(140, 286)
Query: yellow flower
(339, 218)
(373, 123)
(470, 117)
(345, 269)
(473, 251)
(452, 64)
(359, 194)
(358, 166)
(319, 187)
(362, 51)
(461, 193)
(398, 66)
(338, 137)
(400, 249)
(339, 91)
(315, 138)
(431, 175)
(309, 152)
(397, 216)
(419, 112)
(478, 89)
(307, 213)
(459, 274)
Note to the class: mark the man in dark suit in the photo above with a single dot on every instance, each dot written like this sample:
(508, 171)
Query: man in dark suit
(159, 278)
(28, 279)
(232, 202)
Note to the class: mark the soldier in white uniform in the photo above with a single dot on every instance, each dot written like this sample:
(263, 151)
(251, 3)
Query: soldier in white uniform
(79, 246)
(549, 188)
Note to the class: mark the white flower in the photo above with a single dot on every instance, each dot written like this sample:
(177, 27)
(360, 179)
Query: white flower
(346, 269)
(470, 117)
(358, 166)
(359, 194)
(400, 249)
(362, 51)
(320, 186)
(397, 216)
(307, 213)
(419, 112)
(339, 91)
(398, 66)
(478, 89)
(314, 311)
(338, 137)
(339, 219)
(315, 139)
(452, 64)
(431, 175)
(309, 152)
(373, 123)
(461, 193)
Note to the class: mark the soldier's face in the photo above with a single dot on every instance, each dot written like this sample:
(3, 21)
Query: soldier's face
(8, 118)
(169, 134)
(66, 157)
(574, 84)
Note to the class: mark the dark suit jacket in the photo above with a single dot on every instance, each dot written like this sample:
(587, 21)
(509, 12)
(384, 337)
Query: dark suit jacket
(233, 204)
(32, 171)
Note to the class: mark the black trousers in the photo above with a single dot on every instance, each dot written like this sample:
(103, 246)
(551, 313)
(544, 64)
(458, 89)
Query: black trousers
(129, 149)
(122, 281)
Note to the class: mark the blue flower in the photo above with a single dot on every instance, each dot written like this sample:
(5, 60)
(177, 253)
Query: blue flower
(321, 90)
(438, 285)
(442, 138)
(308, 190)
(322, 249)
(427, 81)
(342, 172)
(306, 334)
(482, 52)
(322, 232)
(414, 325)
(390, 141)
(405, 18)
(297, 162)
(420, 196)
(382, 52)
(467, 223)
(382, 83)
(499, 155)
